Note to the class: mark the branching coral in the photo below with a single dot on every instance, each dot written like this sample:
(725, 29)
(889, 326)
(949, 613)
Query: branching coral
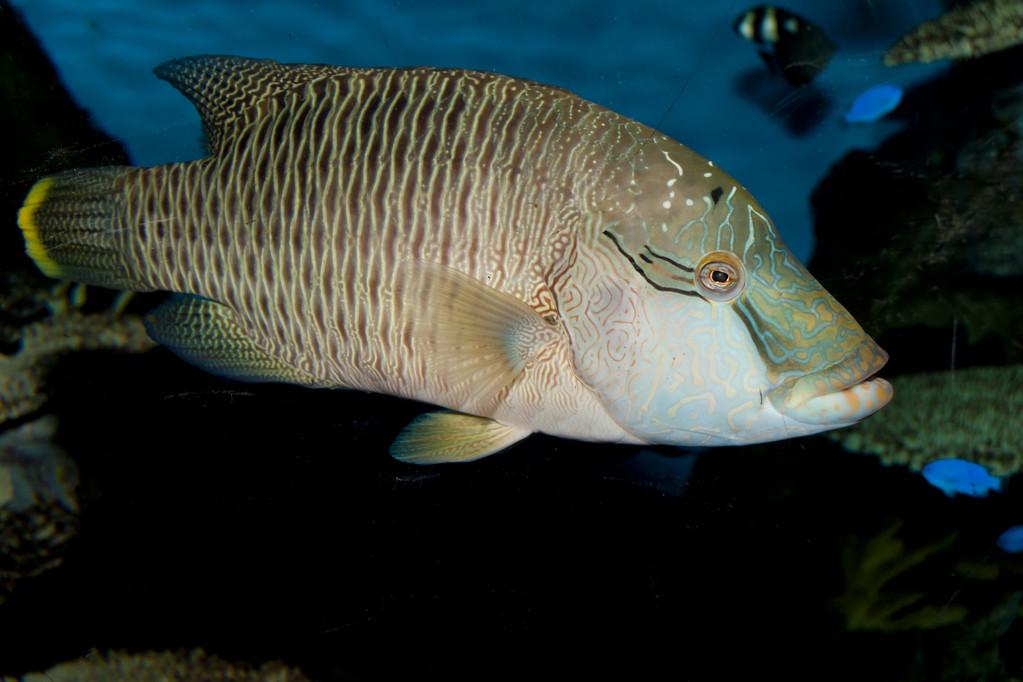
(945, 600)
(965, 32)
(974, 414)
(869, 601)
(162, 667)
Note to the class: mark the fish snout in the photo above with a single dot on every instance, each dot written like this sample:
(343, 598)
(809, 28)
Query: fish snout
(841, 394)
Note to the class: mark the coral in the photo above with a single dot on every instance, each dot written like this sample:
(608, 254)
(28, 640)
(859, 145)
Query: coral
(38, 506)
(869, 602)
(965, 32)
(943, 600)
(38, 502)
(185, 666)
(48, 131)
(67, 329)
(974, 414)
(977, 651)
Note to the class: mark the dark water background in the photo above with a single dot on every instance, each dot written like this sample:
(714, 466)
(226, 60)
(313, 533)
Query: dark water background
(266, 522)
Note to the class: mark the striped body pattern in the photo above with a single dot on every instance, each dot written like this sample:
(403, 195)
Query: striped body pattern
(498, 247)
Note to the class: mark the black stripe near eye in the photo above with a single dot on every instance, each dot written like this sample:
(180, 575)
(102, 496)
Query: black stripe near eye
(642, 272)
(668, 260)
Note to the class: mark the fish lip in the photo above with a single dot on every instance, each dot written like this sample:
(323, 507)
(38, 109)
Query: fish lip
(849, 389)
(842, 385)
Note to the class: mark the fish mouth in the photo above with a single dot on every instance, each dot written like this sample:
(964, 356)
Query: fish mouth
(839, 395)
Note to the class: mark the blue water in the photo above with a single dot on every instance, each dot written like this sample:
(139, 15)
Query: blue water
(674, 65)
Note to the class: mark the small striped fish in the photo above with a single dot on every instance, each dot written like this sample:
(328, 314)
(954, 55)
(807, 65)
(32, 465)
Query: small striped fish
(527, 259)
(787, 42)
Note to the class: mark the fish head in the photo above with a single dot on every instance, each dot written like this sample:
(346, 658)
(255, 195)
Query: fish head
(717, 335)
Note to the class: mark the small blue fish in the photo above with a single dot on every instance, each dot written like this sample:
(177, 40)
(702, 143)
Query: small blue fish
(873, 103)
(953, 476)
(1011, 541)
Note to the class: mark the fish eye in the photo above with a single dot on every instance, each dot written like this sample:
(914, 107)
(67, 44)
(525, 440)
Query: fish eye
(720, 276)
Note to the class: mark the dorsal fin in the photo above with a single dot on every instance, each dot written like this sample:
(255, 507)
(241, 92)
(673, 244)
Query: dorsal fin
(223, 88)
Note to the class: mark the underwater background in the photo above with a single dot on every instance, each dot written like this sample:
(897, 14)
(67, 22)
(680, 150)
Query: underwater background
(146, 506)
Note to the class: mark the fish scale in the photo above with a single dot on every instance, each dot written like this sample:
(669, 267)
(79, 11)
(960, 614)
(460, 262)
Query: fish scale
(495, 246)
(271, 157)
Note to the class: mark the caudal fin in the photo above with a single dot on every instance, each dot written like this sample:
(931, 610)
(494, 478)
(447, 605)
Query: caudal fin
(75, 227)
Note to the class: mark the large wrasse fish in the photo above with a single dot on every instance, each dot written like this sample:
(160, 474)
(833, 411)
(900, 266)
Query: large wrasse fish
(498, 247)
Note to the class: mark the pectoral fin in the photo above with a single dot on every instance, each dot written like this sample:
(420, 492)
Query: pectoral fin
(439, 437)
(476, 337)
(209, 335)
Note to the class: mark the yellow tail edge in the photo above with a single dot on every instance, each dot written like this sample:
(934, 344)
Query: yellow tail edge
(30, 230)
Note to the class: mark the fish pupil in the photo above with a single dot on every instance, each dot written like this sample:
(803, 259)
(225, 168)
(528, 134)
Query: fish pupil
(719, 276)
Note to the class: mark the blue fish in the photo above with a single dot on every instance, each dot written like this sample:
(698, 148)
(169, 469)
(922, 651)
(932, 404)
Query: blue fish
(953, 476)
(1011, 541)
(873, 103)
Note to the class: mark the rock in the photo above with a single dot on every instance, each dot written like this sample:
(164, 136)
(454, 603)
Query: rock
(925, 233)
